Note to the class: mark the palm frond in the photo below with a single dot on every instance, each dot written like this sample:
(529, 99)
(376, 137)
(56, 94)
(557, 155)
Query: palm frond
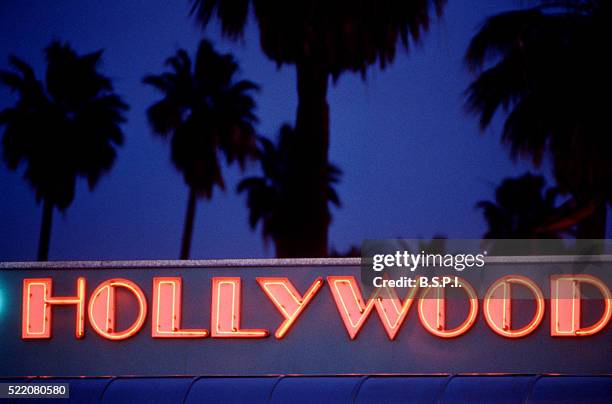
(65, 129)
(206, 113)
(233, 15)
(343, 34)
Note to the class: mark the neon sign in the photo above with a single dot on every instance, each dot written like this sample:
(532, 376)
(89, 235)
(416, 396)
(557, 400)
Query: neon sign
(100, 309)
(167, 298)
(498, 306)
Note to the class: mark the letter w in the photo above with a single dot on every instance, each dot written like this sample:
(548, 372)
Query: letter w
(354, 312)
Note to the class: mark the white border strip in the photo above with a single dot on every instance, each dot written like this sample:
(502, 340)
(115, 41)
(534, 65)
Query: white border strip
(274, 262)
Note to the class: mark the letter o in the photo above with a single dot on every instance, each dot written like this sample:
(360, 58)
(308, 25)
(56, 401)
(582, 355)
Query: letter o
(498, 306)
(102, 307)
(432, 310)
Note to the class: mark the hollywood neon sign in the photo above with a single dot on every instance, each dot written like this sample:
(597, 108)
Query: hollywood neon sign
(225, 320)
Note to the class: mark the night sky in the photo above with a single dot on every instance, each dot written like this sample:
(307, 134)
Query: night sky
(414, 163)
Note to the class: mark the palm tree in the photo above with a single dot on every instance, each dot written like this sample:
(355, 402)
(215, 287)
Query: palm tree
(267, 196)
(63, 128)
(322, 39)
(522, 209)
(204, 111)
(547, 67)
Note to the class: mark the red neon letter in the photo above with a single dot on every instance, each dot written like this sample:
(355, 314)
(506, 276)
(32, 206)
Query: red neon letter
(432, 312)
(166, 322)
(102, 307)
(225, 311)
(498, 306)
(355, 312)
(287, 299)
(36, 308)
(565, 305)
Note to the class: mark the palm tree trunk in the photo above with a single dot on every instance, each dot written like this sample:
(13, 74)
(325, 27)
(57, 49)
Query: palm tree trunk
(282, 246)
(188, 229)
(45, 231)
(308, 195)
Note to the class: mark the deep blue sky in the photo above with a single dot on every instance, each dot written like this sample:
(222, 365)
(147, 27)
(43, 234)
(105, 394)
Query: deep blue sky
(414, 164)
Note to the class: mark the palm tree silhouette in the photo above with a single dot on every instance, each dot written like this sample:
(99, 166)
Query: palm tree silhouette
(267, 196)
(547, 67)
(322, 39)
(522, 209)
(205, 111)
(62, 129)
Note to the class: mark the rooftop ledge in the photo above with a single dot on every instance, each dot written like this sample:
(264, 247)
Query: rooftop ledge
(272, 262)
